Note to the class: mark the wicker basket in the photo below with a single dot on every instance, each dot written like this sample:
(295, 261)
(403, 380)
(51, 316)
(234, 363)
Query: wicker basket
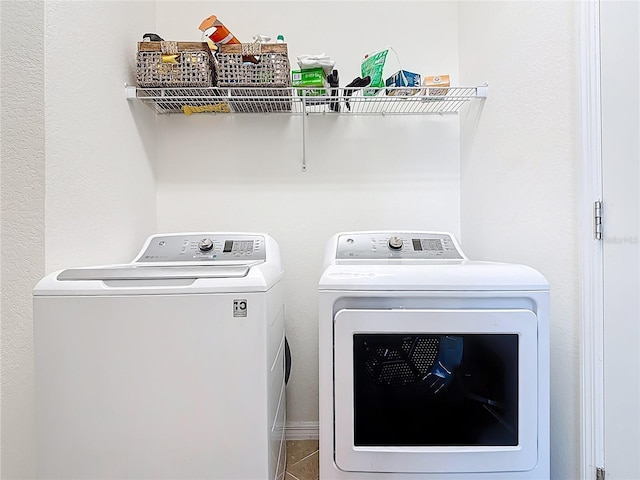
(259, 70)
(175, 64)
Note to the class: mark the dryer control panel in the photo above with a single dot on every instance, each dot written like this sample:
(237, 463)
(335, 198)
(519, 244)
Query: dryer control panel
(201, 247)
(398, 245)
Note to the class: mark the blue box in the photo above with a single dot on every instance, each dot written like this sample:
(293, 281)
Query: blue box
(403, 78)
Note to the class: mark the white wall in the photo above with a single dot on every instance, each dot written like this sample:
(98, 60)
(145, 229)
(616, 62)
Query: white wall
(22, 179)
(520, 165)
(100, 184)
(242, 173)
(89, 196)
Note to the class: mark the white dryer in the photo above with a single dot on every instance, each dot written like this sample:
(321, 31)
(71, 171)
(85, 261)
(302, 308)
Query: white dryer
(171, 366)
(432, 366)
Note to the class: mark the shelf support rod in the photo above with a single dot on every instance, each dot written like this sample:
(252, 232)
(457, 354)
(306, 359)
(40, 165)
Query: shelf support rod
(304, 135)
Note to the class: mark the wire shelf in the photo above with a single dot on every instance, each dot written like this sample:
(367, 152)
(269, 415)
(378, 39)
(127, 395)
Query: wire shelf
(337, 101)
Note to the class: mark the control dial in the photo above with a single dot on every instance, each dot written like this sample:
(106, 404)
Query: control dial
(395, 243)
(205, 245)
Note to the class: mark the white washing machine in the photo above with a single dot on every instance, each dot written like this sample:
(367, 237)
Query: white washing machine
(171, 366)
(432, 366)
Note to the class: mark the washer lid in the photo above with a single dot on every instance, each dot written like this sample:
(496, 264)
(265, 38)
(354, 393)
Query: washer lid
(178, 263)
(138, 272)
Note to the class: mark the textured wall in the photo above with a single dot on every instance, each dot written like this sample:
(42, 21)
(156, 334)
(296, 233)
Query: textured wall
(22, 223)
(520, 164)
(243, 172)
(89, 196)
(22, 178)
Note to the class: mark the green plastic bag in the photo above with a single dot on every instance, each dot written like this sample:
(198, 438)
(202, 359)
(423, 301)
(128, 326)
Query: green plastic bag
(373, 65)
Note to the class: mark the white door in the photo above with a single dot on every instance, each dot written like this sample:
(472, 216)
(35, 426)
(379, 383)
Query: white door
(620, 80)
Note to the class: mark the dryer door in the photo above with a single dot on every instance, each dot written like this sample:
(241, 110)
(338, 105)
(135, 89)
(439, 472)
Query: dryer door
(435, 390)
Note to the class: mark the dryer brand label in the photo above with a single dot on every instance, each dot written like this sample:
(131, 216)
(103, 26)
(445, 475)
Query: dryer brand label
(240, 307)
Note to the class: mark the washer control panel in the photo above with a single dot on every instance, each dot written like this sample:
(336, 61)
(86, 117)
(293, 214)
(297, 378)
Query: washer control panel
(402, 245)
(203, 247)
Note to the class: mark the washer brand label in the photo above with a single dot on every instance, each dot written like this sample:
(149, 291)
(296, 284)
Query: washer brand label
(240, 307)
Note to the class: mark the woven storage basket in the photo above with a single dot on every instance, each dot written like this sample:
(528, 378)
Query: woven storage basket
(269, 77)
(194, 65)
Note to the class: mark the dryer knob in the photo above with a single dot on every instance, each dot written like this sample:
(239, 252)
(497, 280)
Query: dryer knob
(395, 243)
(205, 245)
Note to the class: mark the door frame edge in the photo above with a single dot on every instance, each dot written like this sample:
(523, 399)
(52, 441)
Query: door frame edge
(592, 454)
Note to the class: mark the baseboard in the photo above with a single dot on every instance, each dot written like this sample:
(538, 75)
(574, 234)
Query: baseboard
(302, 431)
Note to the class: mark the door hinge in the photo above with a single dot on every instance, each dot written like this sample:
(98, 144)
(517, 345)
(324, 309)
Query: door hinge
(599, 473)
(597, 220)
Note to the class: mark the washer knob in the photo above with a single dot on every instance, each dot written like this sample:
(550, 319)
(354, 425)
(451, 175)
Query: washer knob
(205, 245)
(395, 243)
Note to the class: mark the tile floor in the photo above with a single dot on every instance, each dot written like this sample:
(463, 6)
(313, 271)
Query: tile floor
(302, 460)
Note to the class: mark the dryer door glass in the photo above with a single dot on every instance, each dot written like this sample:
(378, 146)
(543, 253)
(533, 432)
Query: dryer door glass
(415, 389)
(435, 390)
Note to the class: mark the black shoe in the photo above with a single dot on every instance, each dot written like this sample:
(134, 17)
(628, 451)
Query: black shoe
(357, 83)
